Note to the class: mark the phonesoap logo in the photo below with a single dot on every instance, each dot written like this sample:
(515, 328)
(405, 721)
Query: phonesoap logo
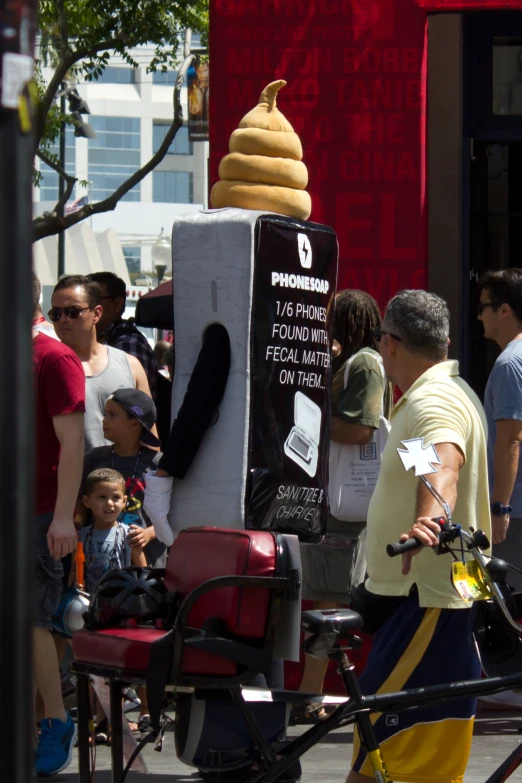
(305, 251)
(301, 282)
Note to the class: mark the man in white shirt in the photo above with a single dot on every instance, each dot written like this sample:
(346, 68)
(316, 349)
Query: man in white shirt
(76, 309)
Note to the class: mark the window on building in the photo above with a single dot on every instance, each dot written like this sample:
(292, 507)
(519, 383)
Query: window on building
(165, 78)
(117, 76)
(114, 155)
(181, 144)
(49, 184)
(132, 257)
(172, 187)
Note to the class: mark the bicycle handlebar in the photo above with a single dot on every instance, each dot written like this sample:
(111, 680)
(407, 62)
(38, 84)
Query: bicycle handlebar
(474, 541)
(401, 547)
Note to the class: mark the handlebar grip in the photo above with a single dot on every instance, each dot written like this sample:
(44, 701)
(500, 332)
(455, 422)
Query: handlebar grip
(401, 547)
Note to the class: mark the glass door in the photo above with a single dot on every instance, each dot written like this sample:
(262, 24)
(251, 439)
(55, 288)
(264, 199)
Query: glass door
(493, 123)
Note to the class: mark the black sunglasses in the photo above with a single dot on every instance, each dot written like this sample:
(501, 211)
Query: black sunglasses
(55, 313)
(481, 306)
(378, 333)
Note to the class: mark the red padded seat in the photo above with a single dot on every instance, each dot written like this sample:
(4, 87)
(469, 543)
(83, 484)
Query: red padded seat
(202, 553)
(128, 649)
(197, 555)
(121, 648)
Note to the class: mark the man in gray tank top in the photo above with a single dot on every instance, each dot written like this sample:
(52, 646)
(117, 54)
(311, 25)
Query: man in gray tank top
(76, 309)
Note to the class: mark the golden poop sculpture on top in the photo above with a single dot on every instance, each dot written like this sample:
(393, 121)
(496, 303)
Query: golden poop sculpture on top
(264, 170)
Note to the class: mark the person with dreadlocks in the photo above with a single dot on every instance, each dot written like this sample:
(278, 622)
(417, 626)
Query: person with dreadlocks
(331, 568)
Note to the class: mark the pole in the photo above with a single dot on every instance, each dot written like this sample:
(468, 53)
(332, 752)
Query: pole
(160, 272)
(61, 184)
(16, 410)
(16, 418)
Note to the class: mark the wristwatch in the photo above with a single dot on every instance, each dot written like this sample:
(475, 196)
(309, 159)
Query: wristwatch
(498, 510)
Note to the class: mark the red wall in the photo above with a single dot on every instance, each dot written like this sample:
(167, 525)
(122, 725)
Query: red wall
(356, 73)
(355, 95)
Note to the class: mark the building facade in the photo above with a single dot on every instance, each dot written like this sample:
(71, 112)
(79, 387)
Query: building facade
(410, 114)
(131, 111)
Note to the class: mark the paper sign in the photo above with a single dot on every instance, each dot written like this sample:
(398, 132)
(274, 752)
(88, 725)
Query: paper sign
(468, 581)
(294, 284)
(17, 70)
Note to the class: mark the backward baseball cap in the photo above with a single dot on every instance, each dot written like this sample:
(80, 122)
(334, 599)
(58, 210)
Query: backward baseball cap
(142, 407)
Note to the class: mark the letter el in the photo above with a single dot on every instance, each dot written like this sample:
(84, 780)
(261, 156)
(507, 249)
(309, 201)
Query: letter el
(345, 203)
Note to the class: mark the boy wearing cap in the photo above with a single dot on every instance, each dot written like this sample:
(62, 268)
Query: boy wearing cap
(130, 415)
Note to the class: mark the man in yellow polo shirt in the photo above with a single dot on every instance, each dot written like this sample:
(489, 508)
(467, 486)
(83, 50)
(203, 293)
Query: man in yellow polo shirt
(424, 638)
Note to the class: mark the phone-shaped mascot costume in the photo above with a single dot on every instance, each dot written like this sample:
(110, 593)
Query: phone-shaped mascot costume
(254, 284)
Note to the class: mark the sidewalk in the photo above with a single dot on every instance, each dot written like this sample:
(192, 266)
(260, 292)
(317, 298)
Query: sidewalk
(496, 735)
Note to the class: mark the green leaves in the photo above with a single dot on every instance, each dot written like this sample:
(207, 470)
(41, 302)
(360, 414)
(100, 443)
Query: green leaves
(80, 36)
(125, 23)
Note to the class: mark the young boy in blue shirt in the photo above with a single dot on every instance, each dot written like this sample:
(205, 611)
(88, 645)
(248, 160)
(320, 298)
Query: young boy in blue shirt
(105, 540)
(130, 416)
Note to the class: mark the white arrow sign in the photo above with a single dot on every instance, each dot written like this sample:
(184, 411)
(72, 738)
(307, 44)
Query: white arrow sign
(417, 455)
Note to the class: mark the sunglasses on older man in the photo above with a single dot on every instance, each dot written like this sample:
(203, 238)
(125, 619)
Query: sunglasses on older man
(74, 312)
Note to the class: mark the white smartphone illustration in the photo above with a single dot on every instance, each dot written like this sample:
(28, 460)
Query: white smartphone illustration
(302, 444)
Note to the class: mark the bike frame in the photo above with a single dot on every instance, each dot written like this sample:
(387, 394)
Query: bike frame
(358, 708)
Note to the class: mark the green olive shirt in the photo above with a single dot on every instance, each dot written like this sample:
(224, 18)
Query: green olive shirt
(361, 401)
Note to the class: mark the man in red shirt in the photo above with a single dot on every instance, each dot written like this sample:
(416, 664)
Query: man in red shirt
(60, 406)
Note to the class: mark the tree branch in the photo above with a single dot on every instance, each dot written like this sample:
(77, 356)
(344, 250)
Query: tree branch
(68, 59)
(57, 78)
(64, 34)
(71, 181)
(110, 43)
(49, 224)
(55, 166)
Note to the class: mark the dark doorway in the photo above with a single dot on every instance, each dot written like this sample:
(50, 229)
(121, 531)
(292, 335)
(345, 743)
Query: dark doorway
(493, 125)
(496, 235)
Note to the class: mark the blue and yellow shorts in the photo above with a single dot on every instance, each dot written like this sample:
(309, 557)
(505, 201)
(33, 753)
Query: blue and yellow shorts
(415, 648)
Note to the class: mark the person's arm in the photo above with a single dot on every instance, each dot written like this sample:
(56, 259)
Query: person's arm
(505, 468)
(357, 413)
(138, 558)
(343, 432)
(69, 429)
(139, 537)
(139, 374)
(445, 481)
(81, 514)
